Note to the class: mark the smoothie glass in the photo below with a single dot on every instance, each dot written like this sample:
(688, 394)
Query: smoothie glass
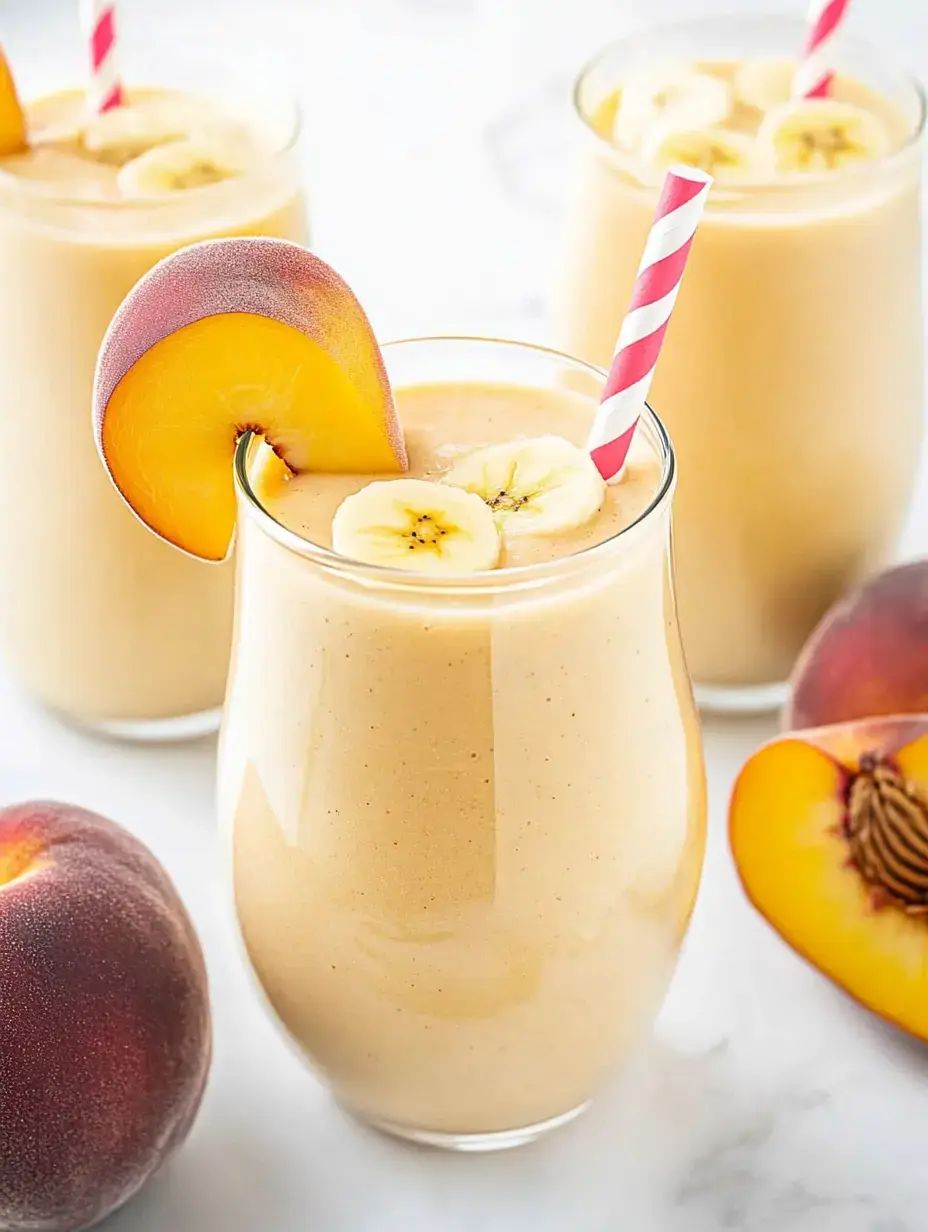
(791, 375)
(464, 816)
(101, 621)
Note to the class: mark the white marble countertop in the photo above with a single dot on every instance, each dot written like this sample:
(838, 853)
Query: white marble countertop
(767, 1100)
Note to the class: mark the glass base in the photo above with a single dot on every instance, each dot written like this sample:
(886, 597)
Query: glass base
(160, 731)
(737, 699)
(498, 1140)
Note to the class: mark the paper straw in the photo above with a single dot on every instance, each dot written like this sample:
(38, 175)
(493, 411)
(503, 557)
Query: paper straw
(815, 70)
(104, 88)
(682, 200)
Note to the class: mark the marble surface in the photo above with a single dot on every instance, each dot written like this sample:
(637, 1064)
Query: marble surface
(766, 1101)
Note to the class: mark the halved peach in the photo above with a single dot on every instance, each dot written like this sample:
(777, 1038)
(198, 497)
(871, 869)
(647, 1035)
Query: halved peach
(13, 138)
(224, 337)
(829, 833)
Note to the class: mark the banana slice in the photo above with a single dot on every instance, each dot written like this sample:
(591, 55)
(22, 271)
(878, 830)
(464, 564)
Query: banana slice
(819, 134)
(674, 93)
(124, 133)
(764, 84)
(65, 133)
(416, 524)
(177, 166)
(534, 487)
(726, 156)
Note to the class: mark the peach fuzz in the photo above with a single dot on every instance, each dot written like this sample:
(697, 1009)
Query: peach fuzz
(868, 655)
(13, 137)
(224, 337)
(829, 833)
(105, 1032)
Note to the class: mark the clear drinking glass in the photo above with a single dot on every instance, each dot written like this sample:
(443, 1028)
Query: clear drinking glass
(792, 372)
(99, 619)
(464, 816)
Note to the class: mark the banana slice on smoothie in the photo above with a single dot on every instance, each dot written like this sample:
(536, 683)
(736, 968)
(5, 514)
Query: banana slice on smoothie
(417, 524)
(675, 94)
(819, 134)
(124, 133)
(724, 155)
(177, 167)
(763, 83)
(540, 486)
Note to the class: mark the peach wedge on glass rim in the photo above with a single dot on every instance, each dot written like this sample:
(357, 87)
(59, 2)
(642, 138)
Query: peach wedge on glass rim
(12, 120)
(229, 336)
(829, 833)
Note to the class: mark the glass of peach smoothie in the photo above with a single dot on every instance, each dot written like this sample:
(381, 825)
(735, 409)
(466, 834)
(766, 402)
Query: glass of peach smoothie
(99, 620)
(792, 371)
(460, 775)
(465, 813)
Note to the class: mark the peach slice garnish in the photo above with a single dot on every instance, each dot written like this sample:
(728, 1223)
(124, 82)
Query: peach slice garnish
(13, 137)
(829, 833)
(221, 338)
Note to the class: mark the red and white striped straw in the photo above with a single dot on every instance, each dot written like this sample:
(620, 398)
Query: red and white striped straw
(679, 209)
(104, 89)
(816, 68)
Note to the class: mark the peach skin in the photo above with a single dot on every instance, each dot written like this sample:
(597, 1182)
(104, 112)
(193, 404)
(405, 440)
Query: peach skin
(868, 655)
(229, 336)
(829, 833)
(12, 120)
(105, 1030)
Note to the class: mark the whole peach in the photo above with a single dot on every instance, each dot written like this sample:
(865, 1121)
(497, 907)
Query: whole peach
(868, 656)
(104, 1017)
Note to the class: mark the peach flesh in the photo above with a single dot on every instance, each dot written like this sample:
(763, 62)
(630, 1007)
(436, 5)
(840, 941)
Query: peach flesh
(105, 1031)
(798, 834)
(868, 655)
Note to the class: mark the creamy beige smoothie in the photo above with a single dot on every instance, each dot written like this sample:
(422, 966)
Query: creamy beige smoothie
(99, 619)
(791, 375)
(466, 814)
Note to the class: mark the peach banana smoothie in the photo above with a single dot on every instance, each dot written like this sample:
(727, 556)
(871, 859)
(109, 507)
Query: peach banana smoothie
(98, 619)
(793, 367)
(460, 772)
(466, 820)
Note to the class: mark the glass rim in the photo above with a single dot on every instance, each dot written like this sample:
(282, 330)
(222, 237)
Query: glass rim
(17, 187)
(752, 188)
(488, 580)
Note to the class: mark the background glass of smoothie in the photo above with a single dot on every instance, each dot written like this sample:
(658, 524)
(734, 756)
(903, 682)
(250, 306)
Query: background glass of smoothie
(100, 620)
(465, 814)
(791, 375)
